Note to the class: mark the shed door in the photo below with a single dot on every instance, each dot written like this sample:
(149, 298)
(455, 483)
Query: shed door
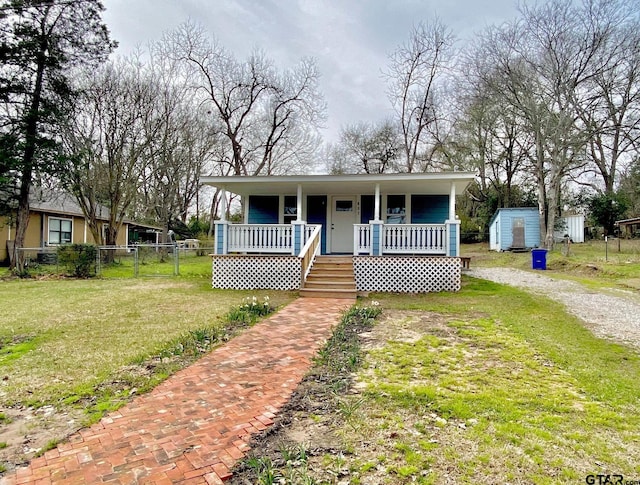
(517, 230)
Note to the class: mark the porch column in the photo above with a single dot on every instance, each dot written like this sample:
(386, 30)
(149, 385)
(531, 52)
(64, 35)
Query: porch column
(298, 237)
(298, 225)
(452, 202)
(221, 237)
(452, 243)
(221, 226)
(299, 204)
(376, 225)
(453, 226)
(223, 200)
(377, 233)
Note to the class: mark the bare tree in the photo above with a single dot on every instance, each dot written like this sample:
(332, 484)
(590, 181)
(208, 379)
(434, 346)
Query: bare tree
(106, 139)
(543, 66)
(490, 139)
(367, 148)
(414, 72)
(179, 151)
(611, 112)
(260, 112)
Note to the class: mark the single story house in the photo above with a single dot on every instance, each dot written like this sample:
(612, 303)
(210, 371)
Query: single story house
(518, 228)
(56, 218)
(399, 231)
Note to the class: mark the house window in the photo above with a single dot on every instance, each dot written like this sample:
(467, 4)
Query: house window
(60, 231)
(396, 209)
(290, 209)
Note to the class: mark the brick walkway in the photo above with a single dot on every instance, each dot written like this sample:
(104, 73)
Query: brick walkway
(192, 428)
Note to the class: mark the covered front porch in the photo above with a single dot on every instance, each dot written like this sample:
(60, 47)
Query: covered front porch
(403, 222)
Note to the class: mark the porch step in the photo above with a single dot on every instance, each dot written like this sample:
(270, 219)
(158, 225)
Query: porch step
(331, 277)
(337, 293)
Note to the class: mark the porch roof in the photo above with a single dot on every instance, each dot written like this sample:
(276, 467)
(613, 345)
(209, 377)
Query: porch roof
(437, 183)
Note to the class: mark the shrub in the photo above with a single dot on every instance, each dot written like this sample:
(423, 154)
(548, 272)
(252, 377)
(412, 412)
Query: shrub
(79, 260)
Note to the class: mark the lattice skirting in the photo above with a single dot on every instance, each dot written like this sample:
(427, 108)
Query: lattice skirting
(407, 274)
(256, 272)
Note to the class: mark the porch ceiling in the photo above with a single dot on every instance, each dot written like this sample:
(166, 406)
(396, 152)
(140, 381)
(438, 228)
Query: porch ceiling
(399, 183)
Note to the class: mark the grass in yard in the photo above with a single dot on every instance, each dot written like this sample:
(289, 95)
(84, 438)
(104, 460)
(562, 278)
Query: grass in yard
(60, 340)
(591, 263)
(490, 385)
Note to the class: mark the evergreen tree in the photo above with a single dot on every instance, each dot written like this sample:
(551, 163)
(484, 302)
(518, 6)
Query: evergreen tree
(42, 42)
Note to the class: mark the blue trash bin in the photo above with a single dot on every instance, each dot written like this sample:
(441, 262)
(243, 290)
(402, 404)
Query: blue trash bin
(539, 259)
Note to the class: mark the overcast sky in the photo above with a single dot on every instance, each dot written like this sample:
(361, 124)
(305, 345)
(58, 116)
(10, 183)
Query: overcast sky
(351, 39)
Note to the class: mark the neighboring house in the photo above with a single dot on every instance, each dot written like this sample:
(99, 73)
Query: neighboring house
(518, 228)
(400, 231)
(56, 218)
(629, 227)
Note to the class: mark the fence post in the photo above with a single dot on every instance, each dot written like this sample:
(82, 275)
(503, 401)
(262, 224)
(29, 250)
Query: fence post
(136, 262)
(176, 260)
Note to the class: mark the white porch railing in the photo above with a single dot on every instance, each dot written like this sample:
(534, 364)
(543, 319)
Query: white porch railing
(361, 239)
(414, 239)
(260, 238)
(403, 239)
(395, 238)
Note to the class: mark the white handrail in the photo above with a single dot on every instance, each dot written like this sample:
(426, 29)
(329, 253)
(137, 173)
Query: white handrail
(309, 251)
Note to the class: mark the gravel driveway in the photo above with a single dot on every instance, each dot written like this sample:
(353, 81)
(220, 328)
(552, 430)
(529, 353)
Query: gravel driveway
(608, 315)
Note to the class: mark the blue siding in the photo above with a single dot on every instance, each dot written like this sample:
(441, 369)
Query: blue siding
(297, 238)
(263, 209)
(375, 240)
(453, 239)
(220, 235)
(501, 236)
(429, 209)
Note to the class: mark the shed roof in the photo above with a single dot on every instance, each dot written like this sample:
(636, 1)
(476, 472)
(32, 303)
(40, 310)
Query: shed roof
(438, 183)
(626, 222)
(508, 209)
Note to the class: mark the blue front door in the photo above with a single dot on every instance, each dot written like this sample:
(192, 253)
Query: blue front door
(317, 214)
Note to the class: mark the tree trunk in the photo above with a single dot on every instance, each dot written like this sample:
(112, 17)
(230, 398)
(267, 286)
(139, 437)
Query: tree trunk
(26, 180)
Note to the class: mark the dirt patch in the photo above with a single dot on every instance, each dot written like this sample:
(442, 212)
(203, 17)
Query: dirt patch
(26, 431)
(317, 420)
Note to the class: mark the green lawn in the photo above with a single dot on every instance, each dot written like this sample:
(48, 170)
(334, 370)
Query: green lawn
(488, 385)
(63, 338)
(493, 385)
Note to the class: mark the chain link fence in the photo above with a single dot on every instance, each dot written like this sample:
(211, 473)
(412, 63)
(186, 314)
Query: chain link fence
(140, 260)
